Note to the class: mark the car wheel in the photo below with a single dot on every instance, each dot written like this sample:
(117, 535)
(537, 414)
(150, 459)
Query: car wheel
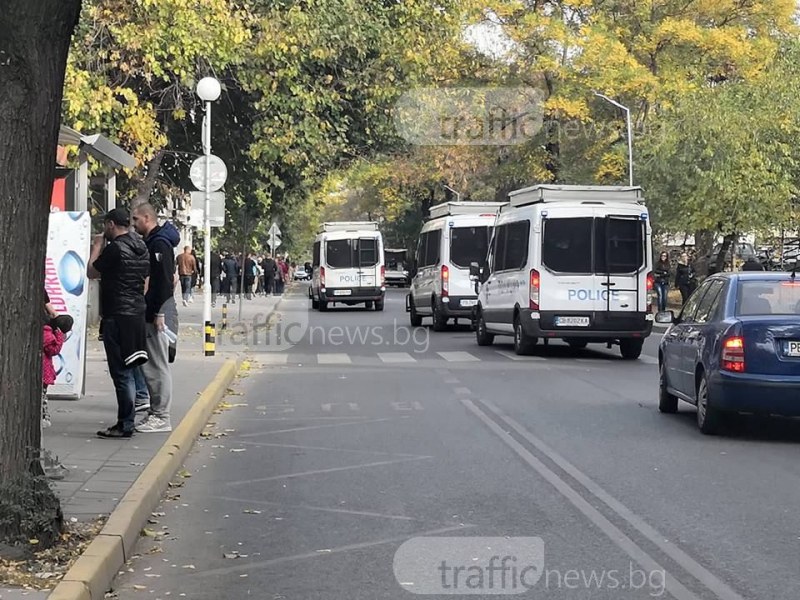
(667, 403)
(379, 305)
(439, 320)
(314, 304)
(523, 344)
(413, 315)
(483, 337)
(368, 304)
(631, 349)
(577, 344)
(323, 305)
(709, 419)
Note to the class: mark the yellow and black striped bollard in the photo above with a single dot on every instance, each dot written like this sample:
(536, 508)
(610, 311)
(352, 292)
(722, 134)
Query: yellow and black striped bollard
(224, 316)
(210, 340)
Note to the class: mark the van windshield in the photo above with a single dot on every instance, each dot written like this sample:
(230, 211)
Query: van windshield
(468, 245)
(351, 253)
(601, 245)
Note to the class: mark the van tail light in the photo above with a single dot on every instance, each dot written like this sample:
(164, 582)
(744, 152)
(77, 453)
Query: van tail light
(651, 292)
(383, 275)
(534, 289)
(445, 281)
(733, 354)
(322, 277)
(651, 281)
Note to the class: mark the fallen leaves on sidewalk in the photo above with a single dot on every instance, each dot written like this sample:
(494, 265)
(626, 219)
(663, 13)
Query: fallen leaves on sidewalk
(44, 569)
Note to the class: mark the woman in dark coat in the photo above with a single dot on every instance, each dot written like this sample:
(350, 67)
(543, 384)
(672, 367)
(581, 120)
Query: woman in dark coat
(684, 277)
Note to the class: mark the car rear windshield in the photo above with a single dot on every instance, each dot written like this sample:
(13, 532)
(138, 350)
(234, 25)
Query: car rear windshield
(757, 298)
(469, 245)
(350, 253)
(601, 245)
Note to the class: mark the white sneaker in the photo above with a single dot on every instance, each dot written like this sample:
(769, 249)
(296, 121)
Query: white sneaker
(145, 406)
(191, 299)
(154, 425)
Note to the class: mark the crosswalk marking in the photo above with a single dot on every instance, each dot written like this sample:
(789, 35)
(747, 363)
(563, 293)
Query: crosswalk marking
(396, 357)
(273, 358)
(333, 359)
(458, 357)
(648, 360)
(513, 356)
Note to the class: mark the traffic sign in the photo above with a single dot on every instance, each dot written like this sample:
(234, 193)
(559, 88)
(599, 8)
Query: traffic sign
(275, 230)
(217, 213)
(274, 237)
(218, 173)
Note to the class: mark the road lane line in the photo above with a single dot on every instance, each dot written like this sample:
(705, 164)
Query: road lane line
(722, 590)
(326, 552)
(273, 359)
(396, 357)
(513, 356)
(616, 535)
(343, 511)
(328, 449)
(380, 463)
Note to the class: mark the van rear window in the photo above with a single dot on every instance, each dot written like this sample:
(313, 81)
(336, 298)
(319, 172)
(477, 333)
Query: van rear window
(468, 245)
(594, 245)
(347, 254)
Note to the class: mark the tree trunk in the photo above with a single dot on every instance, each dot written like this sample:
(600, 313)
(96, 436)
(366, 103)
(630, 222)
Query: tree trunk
(34, 42)
(703, 245)
(146, 186)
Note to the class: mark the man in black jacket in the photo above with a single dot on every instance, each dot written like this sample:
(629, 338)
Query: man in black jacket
(119, 259)
(216, 270)
(160, 290)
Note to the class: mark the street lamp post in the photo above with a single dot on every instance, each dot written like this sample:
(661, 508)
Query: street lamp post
(448, 188)
(208, 90)
(630, 132)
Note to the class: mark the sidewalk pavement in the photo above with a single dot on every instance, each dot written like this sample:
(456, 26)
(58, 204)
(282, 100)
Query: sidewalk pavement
(101, 471)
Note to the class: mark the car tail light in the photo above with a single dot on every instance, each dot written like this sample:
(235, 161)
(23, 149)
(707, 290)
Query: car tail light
(534, 289)
(733, 354)
(383, 275)
(322, 277)
(445, 280)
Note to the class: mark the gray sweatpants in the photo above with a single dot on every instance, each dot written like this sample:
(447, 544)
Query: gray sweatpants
(157, 373)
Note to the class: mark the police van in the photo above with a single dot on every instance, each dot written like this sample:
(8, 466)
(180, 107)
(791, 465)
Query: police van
(348, 266)
(572, 263)
(456, 235)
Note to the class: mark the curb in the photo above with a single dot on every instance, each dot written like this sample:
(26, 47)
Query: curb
(93, 573)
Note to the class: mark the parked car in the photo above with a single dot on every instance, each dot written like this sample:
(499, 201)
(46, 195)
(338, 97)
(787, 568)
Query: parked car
(734, 348)
(744, 252)
(301, 274)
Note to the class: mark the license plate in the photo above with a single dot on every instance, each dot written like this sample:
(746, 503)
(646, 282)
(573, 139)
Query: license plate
(572, 321)
(466, 303)
(793, 348)
(342, 292)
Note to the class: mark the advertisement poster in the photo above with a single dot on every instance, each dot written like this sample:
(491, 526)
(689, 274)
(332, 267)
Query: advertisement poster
(68, 241)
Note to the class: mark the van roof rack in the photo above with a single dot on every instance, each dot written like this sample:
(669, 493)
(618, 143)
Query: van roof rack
(576, 193)
(349, 226)
(464, 208)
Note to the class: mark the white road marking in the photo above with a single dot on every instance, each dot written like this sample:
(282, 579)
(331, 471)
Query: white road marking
(513, 356)
(458, 357)
(396, 357)
(333, 359)
(273, 358)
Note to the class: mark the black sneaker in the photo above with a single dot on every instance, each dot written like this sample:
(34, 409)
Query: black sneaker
(114, 433)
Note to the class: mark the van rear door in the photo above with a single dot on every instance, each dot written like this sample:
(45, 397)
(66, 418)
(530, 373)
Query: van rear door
(367, 262)
(619, 259)
(342, 274)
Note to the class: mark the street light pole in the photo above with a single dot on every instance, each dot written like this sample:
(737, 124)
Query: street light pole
(448, 188)
(208, 89)
(630, 132)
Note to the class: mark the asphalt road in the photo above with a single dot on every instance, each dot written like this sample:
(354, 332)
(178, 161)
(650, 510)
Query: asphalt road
(354, 434)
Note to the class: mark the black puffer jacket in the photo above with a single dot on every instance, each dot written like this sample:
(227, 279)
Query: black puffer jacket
(122, 287)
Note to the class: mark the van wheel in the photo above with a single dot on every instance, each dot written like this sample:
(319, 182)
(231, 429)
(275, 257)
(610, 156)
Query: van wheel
(483, 337)
(379, 305)
(368, 304)
(523, 344)
(708, 418)
(314, 304)
(667, 403)
(577, 344)
(413, 315)
(631, 349)
(323, 305)
(439, 320)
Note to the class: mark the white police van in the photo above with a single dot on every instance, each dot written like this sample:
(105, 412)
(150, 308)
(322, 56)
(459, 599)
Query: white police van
(348, 266)
(456, 235)
(571, 263)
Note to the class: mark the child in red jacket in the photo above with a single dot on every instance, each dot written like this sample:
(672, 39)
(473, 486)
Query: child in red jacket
(55, 333)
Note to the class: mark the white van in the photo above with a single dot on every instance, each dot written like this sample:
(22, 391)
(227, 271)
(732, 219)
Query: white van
(348, 266)
(571, 263)
(396, 260)
(456, 235)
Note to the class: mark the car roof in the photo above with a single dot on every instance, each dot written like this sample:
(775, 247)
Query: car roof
(755, 276)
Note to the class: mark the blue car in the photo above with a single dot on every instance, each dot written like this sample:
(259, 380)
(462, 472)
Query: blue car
(734, 348)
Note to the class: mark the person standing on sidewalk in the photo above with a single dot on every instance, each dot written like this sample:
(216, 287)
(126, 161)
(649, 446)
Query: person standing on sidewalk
(187, 267)
(159, 290)
(662, 274)
(119, 259)
(684, 277)
(216, 270)
(231, 270)
(270, 271)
